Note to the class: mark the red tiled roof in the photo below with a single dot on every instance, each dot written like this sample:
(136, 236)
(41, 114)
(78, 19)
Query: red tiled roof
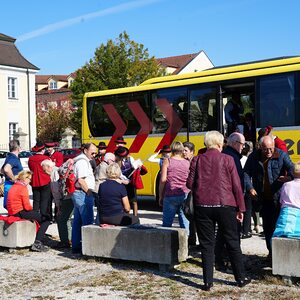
(60, 77)
(178, 62)
(42, 79)
(73, 75)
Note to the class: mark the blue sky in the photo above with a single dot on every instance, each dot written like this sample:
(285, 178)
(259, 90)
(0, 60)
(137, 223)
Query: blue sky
(61, 36)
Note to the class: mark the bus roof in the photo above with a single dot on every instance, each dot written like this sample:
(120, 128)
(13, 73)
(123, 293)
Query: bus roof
(250, 69)
(258, 64)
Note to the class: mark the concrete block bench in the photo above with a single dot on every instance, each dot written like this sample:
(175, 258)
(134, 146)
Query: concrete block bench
(286, 257)
(161, 245)
(18, 235)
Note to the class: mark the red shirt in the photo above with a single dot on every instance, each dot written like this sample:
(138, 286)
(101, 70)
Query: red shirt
(39, 177)
(18, 198)
(58, 158)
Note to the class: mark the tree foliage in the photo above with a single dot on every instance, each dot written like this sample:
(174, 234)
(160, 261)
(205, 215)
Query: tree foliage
(51, 125)
(116, 64)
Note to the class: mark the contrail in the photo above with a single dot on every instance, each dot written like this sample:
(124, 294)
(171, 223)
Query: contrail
(69, 22)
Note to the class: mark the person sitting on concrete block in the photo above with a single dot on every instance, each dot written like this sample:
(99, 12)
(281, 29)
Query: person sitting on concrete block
(18, 205)
(114, 205)
(288, 223)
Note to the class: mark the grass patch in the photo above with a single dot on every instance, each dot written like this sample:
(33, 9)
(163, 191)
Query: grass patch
(66, 267)
(47, 297)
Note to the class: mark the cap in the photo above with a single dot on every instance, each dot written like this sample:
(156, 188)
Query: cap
(165, 149)
(120, 140)
(38, 147)
(268, 129)
(51, 145)
(102, 145)
(121, 152)
(262, 132)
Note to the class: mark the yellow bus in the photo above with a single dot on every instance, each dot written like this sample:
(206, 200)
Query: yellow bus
(184, 107)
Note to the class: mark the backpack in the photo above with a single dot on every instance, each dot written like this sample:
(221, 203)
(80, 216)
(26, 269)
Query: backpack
(66, 179)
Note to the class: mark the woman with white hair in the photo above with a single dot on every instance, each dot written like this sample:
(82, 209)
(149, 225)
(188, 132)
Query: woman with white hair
(218, 198)
(114, 205)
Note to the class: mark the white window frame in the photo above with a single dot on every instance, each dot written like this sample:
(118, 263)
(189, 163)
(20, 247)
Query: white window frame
(12, 87)
(13, 128)
(53, 85)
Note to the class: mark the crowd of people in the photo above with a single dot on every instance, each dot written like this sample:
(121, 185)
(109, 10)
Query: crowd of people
(229, 184)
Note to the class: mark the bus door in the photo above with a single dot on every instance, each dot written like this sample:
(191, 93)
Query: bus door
(238, 109)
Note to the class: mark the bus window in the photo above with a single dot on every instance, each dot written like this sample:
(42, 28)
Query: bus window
(277, 105)
(107, 113)
(203, 110)
(177, 99)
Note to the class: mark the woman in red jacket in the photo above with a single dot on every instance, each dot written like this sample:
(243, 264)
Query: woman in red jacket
(18, 205)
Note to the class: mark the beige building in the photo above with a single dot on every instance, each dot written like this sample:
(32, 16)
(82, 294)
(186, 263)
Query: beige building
(17, 96)
(187, 63)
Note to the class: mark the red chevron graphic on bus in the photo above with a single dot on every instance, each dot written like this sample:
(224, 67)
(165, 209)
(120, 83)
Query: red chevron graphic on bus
(146, 126)
(173, 119)
(118, 123)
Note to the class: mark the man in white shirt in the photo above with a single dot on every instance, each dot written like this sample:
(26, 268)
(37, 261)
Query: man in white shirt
(83, 198)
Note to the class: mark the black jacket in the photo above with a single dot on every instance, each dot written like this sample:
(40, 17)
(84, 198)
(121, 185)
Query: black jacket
(237, 160)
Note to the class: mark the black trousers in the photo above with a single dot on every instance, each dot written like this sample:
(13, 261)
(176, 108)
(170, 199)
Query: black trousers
(206, 219)
(246, 228)
(42, 201)
(121, 220)
(35, 216)
(269, 212)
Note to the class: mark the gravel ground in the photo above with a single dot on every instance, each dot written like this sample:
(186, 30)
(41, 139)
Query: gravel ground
(63, 275)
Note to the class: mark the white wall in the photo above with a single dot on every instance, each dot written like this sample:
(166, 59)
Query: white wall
(16, 110)
(199, 63)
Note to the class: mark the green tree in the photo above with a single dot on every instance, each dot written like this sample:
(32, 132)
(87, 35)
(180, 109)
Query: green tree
(51, 125)
(116, 64)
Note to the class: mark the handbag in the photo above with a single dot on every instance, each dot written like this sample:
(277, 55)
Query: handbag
(136, 179)
(188, 205)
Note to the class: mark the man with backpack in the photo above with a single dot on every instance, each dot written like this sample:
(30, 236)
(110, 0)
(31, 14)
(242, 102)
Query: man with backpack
(83, 198)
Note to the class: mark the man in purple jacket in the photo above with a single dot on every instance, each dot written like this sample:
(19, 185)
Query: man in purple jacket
(218, 198)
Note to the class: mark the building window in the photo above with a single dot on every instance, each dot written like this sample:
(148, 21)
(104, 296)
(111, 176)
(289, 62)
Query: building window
(13, 127)
(70, 82)
(53, 85)
(12, 88)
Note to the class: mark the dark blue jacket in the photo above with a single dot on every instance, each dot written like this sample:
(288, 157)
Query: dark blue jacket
(278, 165)
(237, 160)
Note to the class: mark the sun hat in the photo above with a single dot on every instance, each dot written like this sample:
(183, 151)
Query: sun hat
(120, 140)
(121, 151)
(38, 147)
(102, 145)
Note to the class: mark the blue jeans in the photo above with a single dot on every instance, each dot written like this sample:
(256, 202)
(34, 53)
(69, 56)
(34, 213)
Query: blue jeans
(7, 185)
(83, 215)
(171, 206)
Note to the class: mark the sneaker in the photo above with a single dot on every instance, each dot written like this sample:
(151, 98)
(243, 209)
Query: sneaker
(256, 229)
(39, 247)
(242, 283)
(246, 235)
(62, 245)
